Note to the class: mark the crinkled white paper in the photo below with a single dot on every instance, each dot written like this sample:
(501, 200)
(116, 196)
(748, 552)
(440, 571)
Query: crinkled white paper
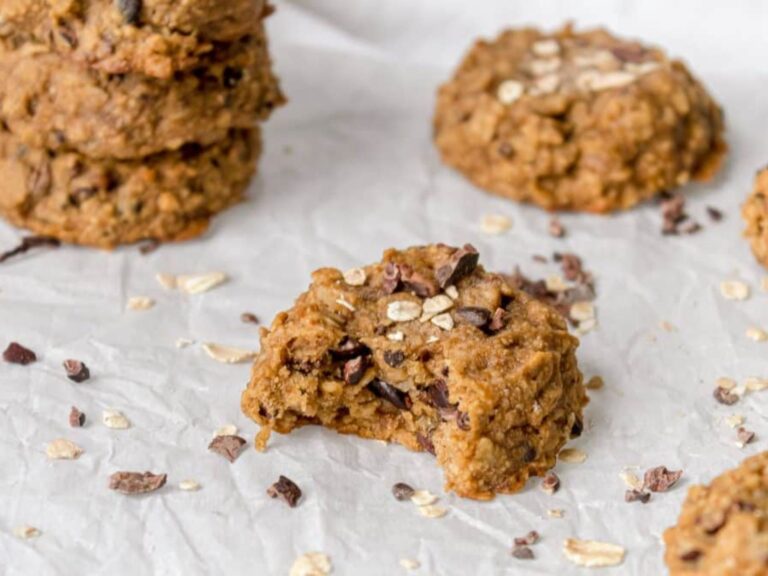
(350, 170)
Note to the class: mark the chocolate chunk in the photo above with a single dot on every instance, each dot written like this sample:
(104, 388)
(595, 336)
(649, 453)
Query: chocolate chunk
(421, 285)
(556, 229)
(394, 357)
(17, 354)
(577, 428)
(249, 318)
(528, 540)
(354, 370)
(522, 552)
(286, 489)
(76, 371)
(744, 436)
(391, 280)
(550, 483)
(349, 348)
(425, 442)
(402, 491)
(473, 315)
(660, 479)
(76, 418)
(387, 392)
(130, 10)
(724, 396)
(498, 320)
(136, 482)
(28, 244)
(437, 394)
(637, 496)
(461, 264)
(529, 453)
(229, 446)
(714, 214)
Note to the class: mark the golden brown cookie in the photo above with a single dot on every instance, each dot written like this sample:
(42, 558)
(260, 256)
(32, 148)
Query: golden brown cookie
(723, 527)
(755, 212)
(576, 120)
(51, 102)
(152, 37)
(103, 203)
(429, 350)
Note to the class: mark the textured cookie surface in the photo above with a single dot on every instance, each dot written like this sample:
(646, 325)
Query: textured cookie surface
(150, 37)
(755, 212)
(576, 121)
(52, 102)
(103, 203)
(723, 527)
(428, 350)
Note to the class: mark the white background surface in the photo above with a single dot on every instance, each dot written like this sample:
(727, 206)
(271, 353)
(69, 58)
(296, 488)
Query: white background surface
(350, 170)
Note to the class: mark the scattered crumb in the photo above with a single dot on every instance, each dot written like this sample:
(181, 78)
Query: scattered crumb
(410, 564)
(230, 447)
(402, 491)
(631, 479)
(495, 224)
(285, 489)
(753, 384)
(140, 303)
(757, 334)
(556, 228)
(63, 449)
(667, 326)
(226, 430)
(199, 283)
(183, 342)
(115, 420)
(592, 554)
(432, 511)
(572, 455)
(167, 281)
(594, 383)
(550, 483)
(556, 513)
(311, 564)
(735, 420)
(660, 479)
(734, 290)
(249, 318)
(744, 437)
(26, 532)
(76, 371)
(423, 498)
(189, 485)
(228, 354)
(136, 482)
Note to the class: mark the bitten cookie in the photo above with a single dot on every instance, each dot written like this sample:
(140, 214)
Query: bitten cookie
(576, 120)
(151, 37)
(723, 527)
(429, 350)
(104, 203)
(755, 212)
(49, 101)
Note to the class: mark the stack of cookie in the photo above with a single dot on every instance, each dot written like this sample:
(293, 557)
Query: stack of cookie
(124, 120)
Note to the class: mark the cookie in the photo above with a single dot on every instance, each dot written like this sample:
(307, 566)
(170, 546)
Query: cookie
(428, 350)
(576, 120)
(158, 40)
(103, 203)
(723, 527)
(755, 212)
(50, 102)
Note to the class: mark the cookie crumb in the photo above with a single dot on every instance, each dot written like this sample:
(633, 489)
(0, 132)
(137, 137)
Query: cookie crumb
(495, 224)
(725, 396)
(753, 384)
(136, 482)
(572, 455)
(226, 430)
(63, 449)
(744, 436)
(735, 420)
(311, 564)
(140, 303)
(550, 483)
(249, 318)
(189, 485)
(149, 246)
(423, 498)
(432, 511)
(402, 491)
(637, 496)
(199, 283)
(230, 447)
(76, 418)
(285, 489)
(167, 281)
(757, 334)
(76, 371)
(556, 228)
(228, 354)
(115, 420)
(630, 479)
(410, 564)
(592, 554)
(660, 479)
(26, 532)
(594, 383)
(15, 353)
(522, 552)
(714, 214)
(556, 513)
(734, 290)
(528, 540)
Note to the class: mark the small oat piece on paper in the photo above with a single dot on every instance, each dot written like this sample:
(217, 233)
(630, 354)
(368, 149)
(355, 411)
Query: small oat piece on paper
(593, 554)
(572, 455)
(136, 482)
(311, 564)
(26, 532)
(199, 283)
(15, 353)
(285, 489)
(63, 449)
(228, 446)
(228, 354)
(140, 303)
(115, 420)
(76, 370)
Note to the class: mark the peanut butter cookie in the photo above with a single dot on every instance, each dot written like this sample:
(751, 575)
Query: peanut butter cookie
(723, 527)
(49, 101)
(429, 350)
(103, 203)
(576, 120)
(152, 37)
(755, 212)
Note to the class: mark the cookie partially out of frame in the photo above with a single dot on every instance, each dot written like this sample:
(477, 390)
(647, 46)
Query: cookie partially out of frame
(576, 120)
(104, 203)
(723, 527)
(426, 349)
(50, 101)
(153, 37)
(755, 212)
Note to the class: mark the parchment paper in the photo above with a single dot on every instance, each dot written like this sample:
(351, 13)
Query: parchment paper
(350, 170)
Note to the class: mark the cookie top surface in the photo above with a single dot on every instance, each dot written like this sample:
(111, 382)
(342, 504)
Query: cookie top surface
(576, 120)
(723, 527)
(755, 213)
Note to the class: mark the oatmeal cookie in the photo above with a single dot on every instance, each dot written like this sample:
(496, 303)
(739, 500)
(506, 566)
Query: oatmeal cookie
(51, 102)
(723, 527)
(103, 203)
(429, 350)
(755, 212)
(150, 37)
(576, 120)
